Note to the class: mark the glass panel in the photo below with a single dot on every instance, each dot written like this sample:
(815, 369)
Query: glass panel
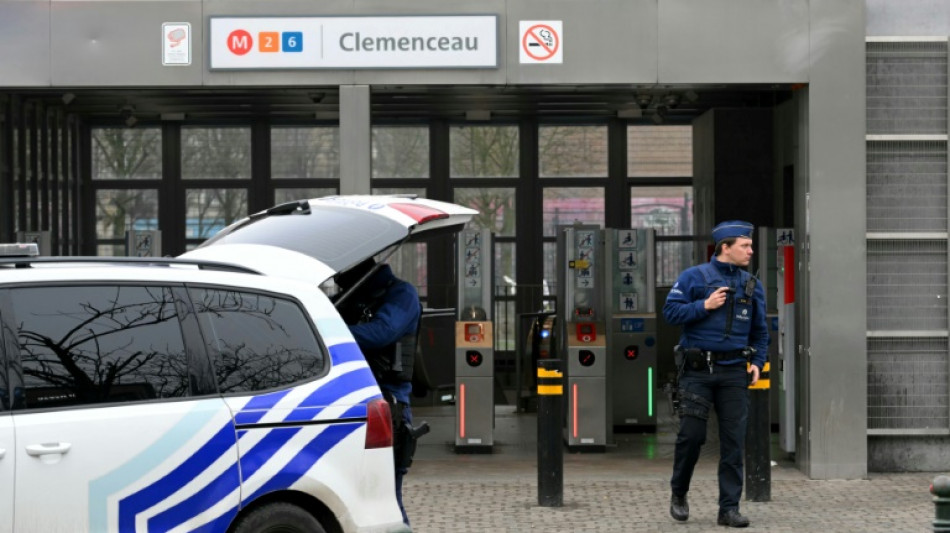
(418, 191)
(312, 152)
(215, 153)
(118, 210)
(566, 205)
(123, 153)
(483, 151)
(549, 284)
(672, 258)
(210, 210)
(86, 345)
(495, 206)
(290, 195)
(409, 264)
(111, 250)
(659, 151)
(572, 151)
(668, 210)
(505, 269)
(400, 152)
(257, 342)
(504, 324)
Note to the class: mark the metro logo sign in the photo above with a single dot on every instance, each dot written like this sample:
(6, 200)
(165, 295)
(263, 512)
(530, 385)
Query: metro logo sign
(240, 42)
(450, 41)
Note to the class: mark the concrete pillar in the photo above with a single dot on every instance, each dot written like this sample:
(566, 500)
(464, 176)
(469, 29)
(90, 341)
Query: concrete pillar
(355, 148)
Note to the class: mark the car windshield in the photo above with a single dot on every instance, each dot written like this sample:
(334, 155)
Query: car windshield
(339, 237)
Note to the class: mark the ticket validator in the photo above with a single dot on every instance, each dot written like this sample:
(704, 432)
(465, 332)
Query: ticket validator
(474, 345)
(582, 335)
(631, 327)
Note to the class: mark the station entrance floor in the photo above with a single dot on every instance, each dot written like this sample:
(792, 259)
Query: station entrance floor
(626, 488)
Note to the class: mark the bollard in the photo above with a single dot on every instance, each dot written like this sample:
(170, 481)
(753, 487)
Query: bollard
(758, 457)
(550, 422)
(940, 488)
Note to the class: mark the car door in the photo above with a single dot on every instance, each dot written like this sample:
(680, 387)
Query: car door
(112, 434)
(7, 472)
(337, 232)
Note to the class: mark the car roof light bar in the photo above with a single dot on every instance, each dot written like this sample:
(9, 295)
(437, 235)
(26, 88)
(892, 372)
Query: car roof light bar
(19, 249)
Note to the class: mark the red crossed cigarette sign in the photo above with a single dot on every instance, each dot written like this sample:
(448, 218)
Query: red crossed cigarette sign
(540, 42)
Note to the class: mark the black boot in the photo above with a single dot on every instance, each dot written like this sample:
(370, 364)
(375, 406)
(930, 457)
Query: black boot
(679, 508)
(732, 518)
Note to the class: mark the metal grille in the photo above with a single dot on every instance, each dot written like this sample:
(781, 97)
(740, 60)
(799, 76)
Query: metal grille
(906, 87)
(907, 186)
(907, 383)
(907, 285)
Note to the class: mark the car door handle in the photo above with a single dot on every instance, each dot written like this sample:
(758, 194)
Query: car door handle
(48, 448)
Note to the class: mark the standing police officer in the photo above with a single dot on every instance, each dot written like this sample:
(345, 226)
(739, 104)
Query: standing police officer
(722, 310)
(383, 315)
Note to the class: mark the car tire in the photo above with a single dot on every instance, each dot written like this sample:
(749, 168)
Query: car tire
(279, 518)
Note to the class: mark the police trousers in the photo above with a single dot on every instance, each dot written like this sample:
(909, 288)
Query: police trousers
(725, 389)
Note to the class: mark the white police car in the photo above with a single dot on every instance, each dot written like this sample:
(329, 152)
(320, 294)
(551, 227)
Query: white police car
(219, 391)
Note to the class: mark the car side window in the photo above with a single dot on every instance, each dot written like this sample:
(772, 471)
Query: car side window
(98, 344)
(257, 341)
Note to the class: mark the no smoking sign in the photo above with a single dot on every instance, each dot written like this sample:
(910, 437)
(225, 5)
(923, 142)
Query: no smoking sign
(540, 41)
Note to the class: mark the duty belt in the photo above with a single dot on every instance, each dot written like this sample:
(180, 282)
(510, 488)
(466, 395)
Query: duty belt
(724, 356)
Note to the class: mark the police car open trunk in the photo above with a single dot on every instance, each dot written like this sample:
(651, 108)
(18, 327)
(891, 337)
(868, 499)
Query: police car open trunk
(334, 233)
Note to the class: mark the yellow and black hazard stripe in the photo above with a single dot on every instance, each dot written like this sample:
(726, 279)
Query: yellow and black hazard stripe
(764, 382)
(550, 382)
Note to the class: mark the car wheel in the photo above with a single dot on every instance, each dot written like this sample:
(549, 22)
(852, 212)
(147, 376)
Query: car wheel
(279, 518)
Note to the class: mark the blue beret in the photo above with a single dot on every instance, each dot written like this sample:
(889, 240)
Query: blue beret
(732, 228)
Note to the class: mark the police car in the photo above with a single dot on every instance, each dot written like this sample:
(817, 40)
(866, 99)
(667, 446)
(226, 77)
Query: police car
(217, 391)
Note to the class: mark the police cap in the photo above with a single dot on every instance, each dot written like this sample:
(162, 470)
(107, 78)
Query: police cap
(732, 228)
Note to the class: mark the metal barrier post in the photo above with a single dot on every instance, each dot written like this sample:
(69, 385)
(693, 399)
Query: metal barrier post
(758, 458)
(940, 488)
(550, 447)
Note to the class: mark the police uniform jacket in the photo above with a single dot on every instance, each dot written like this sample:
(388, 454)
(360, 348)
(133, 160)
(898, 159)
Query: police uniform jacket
(738, 323)
(396, 316)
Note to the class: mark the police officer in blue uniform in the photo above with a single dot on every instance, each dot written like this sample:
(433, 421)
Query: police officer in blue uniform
(383, 315)
(721, 308)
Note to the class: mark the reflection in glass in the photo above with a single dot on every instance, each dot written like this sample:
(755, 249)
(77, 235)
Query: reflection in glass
(257, 342)
(483, 151)
(668, 210)
(672, 258)
(216, 153)
(505, 269)
(123, 153)
(495, 206)
(289, 195)
(659, 151)
(119, 210)
(84, 345)
(572, 151)
(311, 152)
(549, 288)
(567, 205)
(400, 152)
(418, 191)
(210, 210)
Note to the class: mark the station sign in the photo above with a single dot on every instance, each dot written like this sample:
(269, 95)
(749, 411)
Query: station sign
(397, 42)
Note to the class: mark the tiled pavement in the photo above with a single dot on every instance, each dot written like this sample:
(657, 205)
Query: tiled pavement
(627, 488)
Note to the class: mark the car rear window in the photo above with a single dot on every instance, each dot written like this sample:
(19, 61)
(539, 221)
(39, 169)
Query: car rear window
(257, 341)
(98, 344)
(336, 236)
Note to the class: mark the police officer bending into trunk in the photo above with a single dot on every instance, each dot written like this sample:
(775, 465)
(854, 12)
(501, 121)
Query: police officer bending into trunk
(722, 310)
(383, 314)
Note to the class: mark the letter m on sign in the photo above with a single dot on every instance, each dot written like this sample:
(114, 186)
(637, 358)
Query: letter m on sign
(240, 42)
